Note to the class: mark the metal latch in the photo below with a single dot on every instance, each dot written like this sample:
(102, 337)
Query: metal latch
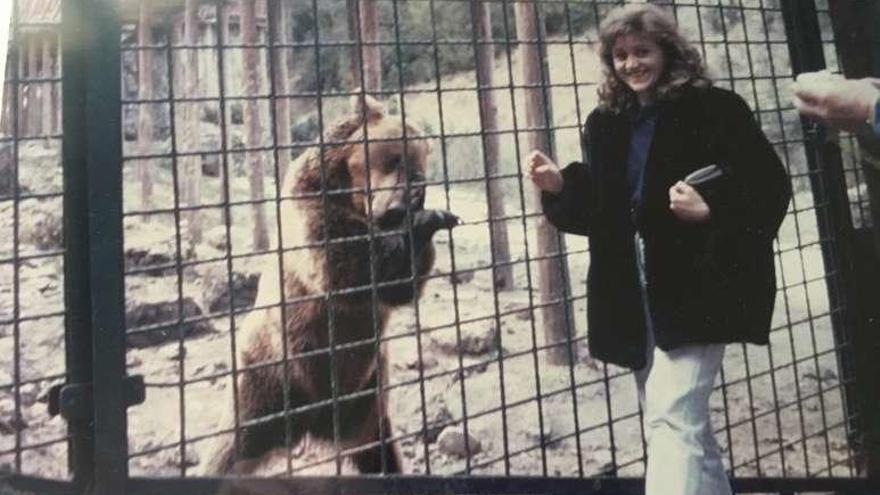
(75, 400)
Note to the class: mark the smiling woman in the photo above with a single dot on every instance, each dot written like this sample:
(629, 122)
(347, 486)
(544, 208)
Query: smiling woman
(680, 64)
(638, 61)
(677, 270)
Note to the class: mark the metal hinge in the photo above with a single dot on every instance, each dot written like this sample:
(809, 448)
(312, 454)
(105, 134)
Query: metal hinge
(74, 401)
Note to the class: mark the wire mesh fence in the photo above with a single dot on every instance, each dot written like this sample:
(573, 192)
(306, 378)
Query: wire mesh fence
(298, 290)
(32, 306)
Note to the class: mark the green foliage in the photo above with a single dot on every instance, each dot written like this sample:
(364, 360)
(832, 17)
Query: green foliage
(328, 70)
(412, 23)
(558, 16)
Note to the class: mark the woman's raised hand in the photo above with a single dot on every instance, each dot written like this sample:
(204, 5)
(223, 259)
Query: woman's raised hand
(544, 173)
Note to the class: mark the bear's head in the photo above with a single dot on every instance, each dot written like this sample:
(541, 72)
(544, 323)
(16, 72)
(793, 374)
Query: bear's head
(385, 162)
(370, 171)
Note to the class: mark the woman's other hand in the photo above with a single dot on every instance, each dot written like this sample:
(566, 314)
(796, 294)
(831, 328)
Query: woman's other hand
(686, 203)
(544, 173)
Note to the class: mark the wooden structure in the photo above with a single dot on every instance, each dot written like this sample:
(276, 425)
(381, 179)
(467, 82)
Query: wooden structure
(552, 279)
(33, 80)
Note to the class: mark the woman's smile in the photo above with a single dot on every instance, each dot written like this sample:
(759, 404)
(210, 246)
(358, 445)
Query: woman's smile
(639, 63)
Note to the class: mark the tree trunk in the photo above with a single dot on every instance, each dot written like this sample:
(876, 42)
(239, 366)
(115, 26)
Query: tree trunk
(34, 93)
(370, 54)
(56, 88)
(551, 279)
(9, 97)
(279, 10)
(253, 126)
(23, 90)
(502, 271)
(192, 168)
(227, 34)
(5, 54)
(55, 100)
(354, 59)
(48, 71)
(6, 119)
(7, 130)
(145, 113)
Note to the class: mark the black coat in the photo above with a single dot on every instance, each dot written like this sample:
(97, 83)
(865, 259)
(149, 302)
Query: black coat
(707, 283)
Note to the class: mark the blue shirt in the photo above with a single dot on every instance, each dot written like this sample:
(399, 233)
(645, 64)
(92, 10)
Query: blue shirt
(642, 122)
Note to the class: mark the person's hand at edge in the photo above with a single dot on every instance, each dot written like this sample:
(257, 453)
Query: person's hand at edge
(847, 104)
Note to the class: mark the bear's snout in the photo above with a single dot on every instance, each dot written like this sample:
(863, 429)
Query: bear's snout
(396, 212)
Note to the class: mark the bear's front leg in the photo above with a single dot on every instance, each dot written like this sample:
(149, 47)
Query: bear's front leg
(261, 399)
(370, 460)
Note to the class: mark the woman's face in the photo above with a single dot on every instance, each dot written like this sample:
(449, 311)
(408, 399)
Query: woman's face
(639, 63)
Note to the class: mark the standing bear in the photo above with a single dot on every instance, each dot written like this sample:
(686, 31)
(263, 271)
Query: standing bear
(353, 230)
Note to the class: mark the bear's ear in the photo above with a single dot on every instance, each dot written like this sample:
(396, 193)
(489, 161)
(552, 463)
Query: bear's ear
(365, 105)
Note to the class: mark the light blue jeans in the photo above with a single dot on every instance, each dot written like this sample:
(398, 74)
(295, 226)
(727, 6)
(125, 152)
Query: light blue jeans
(674, 389)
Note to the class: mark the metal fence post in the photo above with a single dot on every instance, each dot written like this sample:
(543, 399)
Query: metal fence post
(78, 349)
(856, 25)
(93, 400)
(833, 216)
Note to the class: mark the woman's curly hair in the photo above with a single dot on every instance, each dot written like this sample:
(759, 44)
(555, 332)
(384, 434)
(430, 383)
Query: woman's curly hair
(683, 65)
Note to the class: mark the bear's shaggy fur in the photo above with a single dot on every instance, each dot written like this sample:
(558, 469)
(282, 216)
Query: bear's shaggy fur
(350, 245)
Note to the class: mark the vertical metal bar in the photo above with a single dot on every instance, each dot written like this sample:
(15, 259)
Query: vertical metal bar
(380, 377)
(728, 433)
(325, 236)
(15, 54)
(782, 277)
(435, 56)
(606, 378)
(77, 289)
(544, 80)
(178, 248)
(505, 13)
(852, 31)
(361, 78)
(420, 346)
(829, 189)
(794, 371)
(791, 339)
(104, 126)
(94, 288)
(745, 352)
(220, 45)
(221, 42)
(481, 86)
(571, 323)
(751, 66)
(810, 316)
(272, 36)
(856, 25)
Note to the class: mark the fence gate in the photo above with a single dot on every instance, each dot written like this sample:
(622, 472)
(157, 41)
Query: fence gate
(185, 251)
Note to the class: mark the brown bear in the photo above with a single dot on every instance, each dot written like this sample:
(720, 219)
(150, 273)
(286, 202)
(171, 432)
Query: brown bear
(353, 229)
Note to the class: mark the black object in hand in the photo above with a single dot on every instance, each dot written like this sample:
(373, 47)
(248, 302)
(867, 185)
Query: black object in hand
(703, 175)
